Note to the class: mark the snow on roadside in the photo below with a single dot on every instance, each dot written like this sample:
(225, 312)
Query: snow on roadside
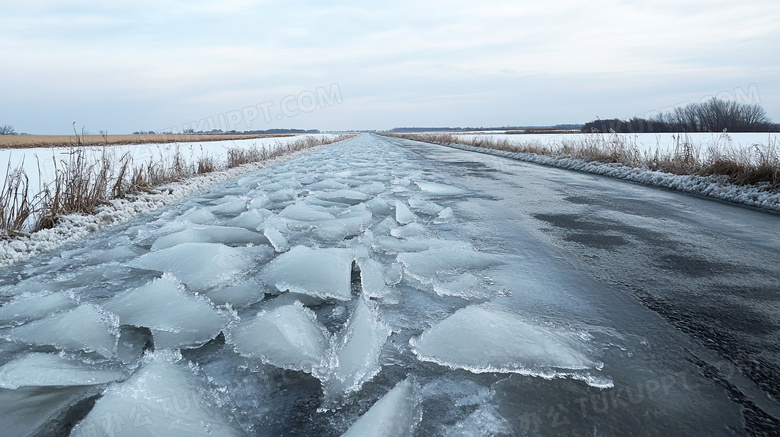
(75, 226)
(708, 186)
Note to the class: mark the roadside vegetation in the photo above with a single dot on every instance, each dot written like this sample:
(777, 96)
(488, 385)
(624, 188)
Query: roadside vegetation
(759, 164)
(81, 185)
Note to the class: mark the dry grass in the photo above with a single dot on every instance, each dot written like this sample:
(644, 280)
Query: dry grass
(15, 206)
(206, 164)
(755, 165)
(31, 141)
(80, 186)
(238, 157)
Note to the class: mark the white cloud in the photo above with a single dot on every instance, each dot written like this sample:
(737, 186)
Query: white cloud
(197, 57)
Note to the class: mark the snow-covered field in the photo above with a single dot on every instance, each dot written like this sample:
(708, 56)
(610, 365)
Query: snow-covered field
(40, 164)
(647, 142)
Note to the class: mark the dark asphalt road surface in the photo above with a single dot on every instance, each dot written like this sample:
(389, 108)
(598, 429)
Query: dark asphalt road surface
(710, 269)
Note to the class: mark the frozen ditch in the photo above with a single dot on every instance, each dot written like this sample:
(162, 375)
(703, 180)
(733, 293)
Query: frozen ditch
(334, 293)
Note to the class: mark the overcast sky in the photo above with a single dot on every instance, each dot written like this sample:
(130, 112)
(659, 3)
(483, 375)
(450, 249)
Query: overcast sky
(337, 65)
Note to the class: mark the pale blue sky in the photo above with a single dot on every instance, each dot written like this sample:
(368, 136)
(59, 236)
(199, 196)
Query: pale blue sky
(151, 65)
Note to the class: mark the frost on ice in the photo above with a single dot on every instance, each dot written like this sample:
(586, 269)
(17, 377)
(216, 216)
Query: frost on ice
(395, 415)
(486, 338)
(321, 273)
(82, 329)
(357, 354)
(200, 265)
(288, 336)
(163, 398)
(176, 318)
(51, 370)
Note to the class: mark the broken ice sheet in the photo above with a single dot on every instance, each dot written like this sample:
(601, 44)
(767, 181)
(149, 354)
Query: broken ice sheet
(424, 207)
(436, 189)
(33, 306)
(396, 414)
(466, 286)
(409, 231)
(488, 338)
(402, 213)
(198, 216)
(252, 219)
(378, 206)
(339, 229)
(305, 213)
(348, 224)
(278, 241)
(327, 184)
(176, 318)
(238, 296)
(288, 336)
(230, 208)
(51, 370)
(372, 279)
(209, 234)
(428, 264)
(199, 265)
(85, 328)
(350, 197)
(484, 421)
(321, 273)
(34, 411)
(446, 214)
(357, 352)
(163, 398)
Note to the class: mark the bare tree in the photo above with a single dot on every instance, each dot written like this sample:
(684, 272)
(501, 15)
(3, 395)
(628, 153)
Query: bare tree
(7, 130)
(714, 115)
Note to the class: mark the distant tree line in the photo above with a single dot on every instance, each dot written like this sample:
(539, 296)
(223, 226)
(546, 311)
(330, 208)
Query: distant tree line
(7, 130)
(715, 115)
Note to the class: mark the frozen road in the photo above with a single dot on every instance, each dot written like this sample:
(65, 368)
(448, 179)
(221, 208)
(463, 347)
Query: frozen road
(382, 286)
(709, 269)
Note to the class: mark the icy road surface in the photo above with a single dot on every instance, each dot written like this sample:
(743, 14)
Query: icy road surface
(387, 287)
